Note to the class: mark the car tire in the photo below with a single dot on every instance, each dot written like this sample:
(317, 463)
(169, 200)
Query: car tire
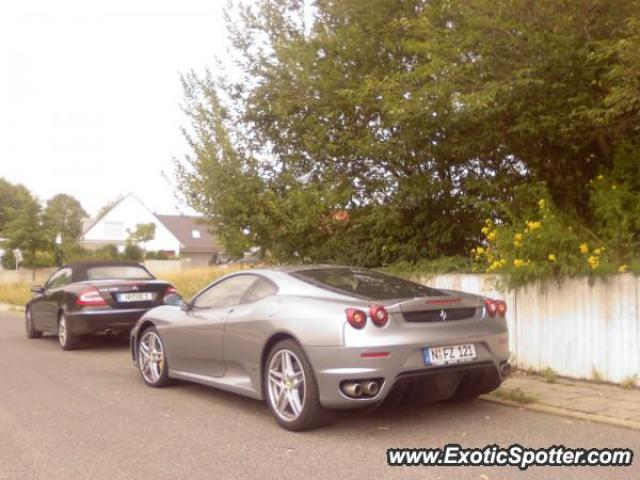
(151, 358)
(286, 364)
(28, 321)
(66, 339)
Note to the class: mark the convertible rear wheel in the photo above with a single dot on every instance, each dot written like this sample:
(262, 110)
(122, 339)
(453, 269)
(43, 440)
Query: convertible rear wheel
(291, 388)
(67, 340)
(28, 320)
(152, 359)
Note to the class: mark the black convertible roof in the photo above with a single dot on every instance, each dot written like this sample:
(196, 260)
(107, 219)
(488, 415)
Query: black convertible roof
(79, 269)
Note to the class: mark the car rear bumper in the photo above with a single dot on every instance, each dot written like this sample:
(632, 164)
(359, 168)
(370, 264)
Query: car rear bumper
(404, 368)
(96, 321)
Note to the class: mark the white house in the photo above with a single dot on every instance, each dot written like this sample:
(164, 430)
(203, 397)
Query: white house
(178, 235)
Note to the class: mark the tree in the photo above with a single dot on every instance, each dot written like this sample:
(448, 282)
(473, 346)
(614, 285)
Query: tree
(63, 216)
(133, 252)
(25, 232)
(12, 198)
(143, 233)
(419, 119)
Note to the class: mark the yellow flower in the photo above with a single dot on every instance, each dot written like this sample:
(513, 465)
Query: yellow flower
(533, 226)
(517, 240)
(542, 203)
(600, 177)
(552, 257)
(518, 263)
(598, 251)
(491, 236)
(622, 268)
(485, 230)
(584, 248)
(480, 250)
(594, 262)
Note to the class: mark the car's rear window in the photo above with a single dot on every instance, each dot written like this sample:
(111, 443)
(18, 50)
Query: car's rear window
(117, 272)
(368, 284)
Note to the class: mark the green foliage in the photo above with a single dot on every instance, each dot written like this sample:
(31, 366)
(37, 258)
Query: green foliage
(143, 233)
(8, 260)
(27, 233)
(378, 131)
(515, 395)
(548, 375)
(631, 382)
(536, 240)
(133, 252)
(430, 267)
(63, 216)
(12, 199)
(158, 255)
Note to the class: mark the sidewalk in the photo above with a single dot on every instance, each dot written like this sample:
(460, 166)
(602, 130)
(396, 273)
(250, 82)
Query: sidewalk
(598, 402)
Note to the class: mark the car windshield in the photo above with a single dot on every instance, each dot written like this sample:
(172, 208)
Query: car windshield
(365, 283)
(112, 272)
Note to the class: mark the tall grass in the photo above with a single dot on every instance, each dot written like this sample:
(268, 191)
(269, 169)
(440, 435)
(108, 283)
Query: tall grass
(15, 293)
(189, 282)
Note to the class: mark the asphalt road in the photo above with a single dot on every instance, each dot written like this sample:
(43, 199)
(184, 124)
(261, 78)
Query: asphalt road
(87, 415)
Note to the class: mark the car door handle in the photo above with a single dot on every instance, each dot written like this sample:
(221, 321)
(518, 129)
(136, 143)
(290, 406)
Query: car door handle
(230, 310)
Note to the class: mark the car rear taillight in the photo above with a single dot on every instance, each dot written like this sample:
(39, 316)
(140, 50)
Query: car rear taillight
(379, 315)
(356, 318)
(495, 307)
(90, 297)
(171, 290)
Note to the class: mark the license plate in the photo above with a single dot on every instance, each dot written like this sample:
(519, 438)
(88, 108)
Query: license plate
(135, 297)
(449, 355)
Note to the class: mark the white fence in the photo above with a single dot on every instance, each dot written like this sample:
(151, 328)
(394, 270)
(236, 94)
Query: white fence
(578, 329)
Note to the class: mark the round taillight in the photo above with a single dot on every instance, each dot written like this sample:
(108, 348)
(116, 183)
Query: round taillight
(492, 307)
(501, 308)
(356, 318)
(379, 315)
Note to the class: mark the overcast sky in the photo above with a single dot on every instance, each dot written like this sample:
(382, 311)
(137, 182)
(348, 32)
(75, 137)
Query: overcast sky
(90, 93)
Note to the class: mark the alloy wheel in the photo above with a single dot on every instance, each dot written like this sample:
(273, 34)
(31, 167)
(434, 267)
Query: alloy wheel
(62, 331)
(286, 385)
(151, 356)
(29, 322)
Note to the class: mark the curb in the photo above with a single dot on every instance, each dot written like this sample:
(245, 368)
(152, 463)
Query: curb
(565, 412)
(7, 307)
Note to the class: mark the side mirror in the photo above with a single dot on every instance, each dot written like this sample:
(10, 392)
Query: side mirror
(173, 299)
(37, 289)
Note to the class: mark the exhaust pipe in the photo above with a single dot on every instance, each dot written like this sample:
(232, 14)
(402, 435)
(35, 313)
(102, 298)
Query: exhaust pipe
(353, 389)
(505, 369)
(372, 388)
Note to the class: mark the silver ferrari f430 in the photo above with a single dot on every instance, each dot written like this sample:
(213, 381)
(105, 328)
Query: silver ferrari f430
(309, 339)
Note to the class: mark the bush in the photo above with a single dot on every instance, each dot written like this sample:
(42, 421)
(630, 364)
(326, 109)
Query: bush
(39, 260)
(8, 260)
(133, 252)
(430, 267)
(536, 240)
(159, 255)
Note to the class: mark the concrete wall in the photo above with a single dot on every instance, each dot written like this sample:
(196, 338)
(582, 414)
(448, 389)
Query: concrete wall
(159, 267)
(579, 329)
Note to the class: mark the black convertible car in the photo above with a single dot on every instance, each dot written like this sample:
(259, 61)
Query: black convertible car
(94, 297)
